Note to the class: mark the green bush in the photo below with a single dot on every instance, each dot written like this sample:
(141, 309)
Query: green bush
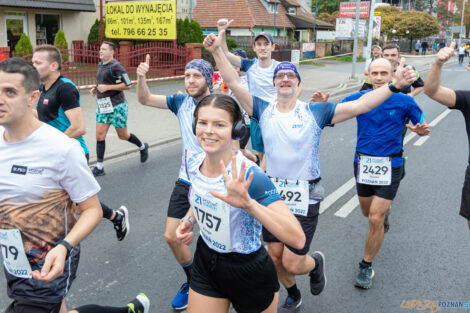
(231, 43)
(61, 43)
(206, 55)
(23, 47)
(188, 32)
(94, 35)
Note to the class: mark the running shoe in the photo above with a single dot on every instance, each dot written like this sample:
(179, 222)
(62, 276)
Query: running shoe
(387, 221)
(98, 172)
(144, 153)
(141, 304)
(290, 305)
(180, 301)
(365, 276)
(318, 277)
(121, 223)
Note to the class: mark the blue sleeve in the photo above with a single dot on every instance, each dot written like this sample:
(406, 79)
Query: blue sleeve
(415, 113)
(353, 97)
(323, 112)
(259, 105)
(174, 102)
(261, 188)
(246, 64)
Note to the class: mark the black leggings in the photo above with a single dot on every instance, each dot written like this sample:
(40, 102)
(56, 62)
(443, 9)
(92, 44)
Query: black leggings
(93, 308)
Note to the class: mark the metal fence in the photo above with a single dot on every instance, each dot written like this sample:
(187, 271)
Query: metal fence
(80, 61)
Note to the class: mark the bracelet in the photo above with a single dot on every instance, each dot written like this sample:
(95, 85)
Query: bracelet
(67, 246)
(190, 219)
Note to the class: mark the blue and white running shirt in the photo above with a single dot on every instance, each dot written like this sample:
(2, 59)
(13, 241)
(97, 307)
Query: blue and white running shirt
(243, 229)
(292, 139)
(260, 80)
(183, 106)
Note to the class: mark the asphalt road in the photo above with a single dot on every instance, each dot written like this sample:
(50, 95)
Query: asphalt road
(424, 256)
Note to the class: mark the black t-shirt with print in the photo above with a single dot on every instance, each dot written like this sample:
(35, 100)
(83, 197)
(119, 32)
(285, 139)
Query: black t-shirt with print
(111, 74)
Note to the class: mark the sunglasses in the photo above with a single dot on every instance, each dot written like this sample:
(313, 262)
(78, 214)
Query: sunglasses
(289, 75)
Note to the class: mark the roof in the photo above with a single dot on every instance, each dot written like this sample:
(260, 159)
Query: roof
(304, 22)
(245, 13)
(69, 5)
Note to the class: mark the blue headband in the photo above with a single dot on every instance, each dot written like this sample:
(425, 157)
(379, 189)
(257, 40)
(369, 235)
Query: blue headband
(283, 66)
(204, 67)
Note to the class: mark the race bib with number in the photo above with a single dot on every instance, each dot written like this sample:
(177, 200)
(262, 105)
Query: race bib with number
(213, 217)
(295, 194)
(14, 258)
(374, 170)
(105, 105)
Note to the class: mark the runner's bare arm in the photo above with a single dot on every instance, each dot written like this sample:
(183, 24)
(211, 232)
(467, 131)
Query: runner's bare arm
(223, 24)
(184, 231)
(118, 87)
(77, 126)
(230, 76)
(143, 92)
(404, 76)
(276, 217)
(468, 67)
(432, 85)
(416, 91)
(90, 217)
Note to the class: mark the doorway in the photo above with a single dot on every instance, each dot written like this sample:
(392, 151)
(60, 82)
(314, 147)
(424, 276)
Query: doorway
(15, 25)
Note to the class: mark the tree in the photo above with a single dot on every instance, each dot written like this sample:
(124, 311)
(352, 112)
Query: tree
(466, 19)
(329, 18)
(61, 43)
(23, 47)
(188, 32)
(389, 15)
(326, 6)
(416, 24)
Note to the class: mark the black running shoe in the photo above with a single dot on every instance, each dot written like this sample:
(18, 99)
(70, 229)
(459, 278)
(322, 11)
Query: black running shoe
(121, 223)
(144, 153)
(141, 304)
(98, 172)
(317, 277)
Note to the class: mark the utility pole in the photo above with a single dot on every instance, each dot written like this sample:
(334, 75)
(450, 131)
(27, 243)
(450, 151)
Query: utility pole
(371, 24)
(314, 35)
(356, 32)
(461, 22)
(275, 9)
(101, 21)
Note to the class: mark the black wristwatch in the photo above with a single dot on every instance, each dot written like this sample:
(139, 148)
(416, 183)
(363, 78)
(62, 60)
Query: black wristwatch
(67, 246)
(393, 88)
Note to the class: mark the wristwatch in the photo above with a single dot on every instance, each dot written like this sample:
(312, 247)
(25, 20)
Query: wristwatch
(188, 218)
(67, 246)
(393, 88)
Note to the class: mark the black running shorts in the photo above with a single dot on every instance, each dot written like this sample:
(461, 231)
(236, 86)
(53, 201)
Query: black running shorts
(386, 192)
(33, 307)
(179, 203)
(309, 225)
(465, 203)
(249, 281)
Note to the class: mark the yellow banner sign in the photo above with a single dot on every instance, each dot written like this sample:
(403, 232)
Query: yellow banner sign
(141, 20)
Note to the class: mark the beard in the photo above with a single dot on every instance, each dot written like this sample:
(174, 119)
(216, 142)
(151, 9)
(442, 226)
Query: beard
(198, 93)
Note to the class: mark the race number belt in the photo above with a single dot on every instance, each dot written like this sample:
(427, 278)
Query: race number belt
(14, 258)
(374, 170)
(213, 217)
(105, 105)
(295, 194)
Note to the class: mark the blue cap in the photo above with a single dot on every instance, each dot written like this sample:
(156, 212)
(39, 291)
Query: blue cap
(283, 66)
(240, 53)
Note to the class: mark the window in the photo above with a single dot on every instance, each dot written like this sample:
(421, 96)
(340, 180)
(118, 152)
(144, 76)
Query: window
(273, 7)
(47, 26)
(292, 11)
(15, 24)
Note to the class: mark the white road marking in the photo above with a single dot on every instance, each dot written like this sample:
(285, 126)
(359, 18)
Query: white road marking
(335, 195)
(348, 207)
(420, 141)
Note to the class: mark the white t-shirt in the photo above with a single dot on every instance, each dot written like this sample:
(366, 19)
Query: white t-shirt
(260, 80)
(41, 179)
(461, 50)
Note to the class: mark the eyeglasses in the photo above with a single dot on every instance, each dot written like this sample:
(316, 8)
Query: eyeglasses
(289, 75)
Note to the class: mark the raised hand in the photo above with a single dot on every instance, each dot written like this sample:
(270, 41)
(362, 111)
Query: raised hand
(237, 190)
(445, 53)
(421, 129)
(184, 232)
(144, 67)
(320, 97)
(223, 24)
(213, 42)
(404, 76)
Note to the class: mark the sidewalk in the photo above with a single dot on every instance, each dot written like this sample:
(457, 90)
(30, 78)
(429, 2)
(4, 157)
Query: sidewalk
(158, 127)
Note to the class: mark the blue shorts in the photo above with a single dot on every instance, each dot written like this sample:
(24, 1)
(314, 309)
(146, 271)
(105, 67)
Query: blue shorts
(256, 137)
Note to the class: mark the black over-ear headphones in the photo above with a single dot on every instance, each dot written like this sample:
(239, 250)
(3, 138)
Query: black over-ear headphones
(238, 129)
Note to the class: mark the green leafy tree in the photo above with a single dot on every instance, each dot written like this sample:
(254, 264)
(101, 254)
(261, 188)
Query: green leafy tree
(329, 18)
(389, 15)
(188, 32)
(94, 34)
(23, 47)
(231, 43)
(466, 19)
(416, 24)
(61, 43)
(328, 6)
